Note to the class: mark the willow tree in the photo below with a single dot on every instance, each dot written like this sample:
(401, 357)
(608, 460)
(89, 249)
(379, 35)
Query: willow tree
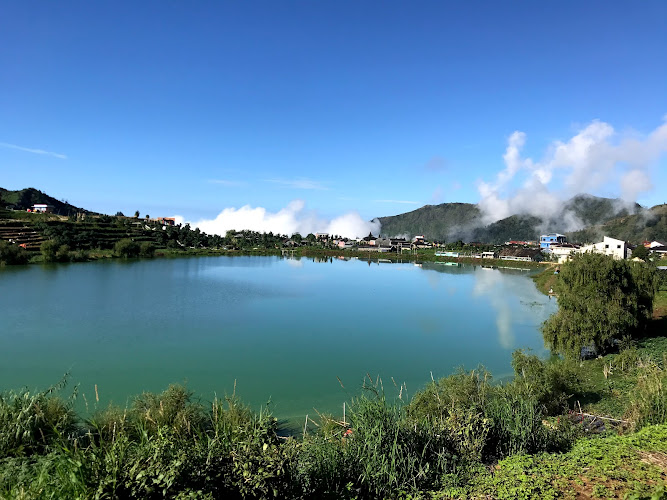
(600, 300)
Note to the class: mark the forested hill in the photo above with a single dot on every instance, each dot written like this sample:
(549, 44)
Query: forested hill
(436, 222)
(645, 225)
(463, 221)
(25, 198)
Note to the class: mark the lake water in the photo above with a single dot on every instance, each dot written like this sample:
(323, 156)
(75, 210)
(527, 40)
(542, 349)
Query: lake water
(280, 329)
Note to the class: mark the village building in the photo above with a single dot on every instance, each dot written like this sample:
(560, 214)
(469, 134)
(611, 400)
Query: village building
(44, 208)
(660, 251)
(618, 249)
(521, 254)
(369, 240)
(455, 255)
(400, 244)
(166, 221)
(546, 240)
(564, 251)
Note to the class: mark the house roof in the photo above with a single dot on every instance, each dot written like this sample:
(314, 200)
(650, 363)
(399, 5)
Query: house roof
(564, 245)
(520, 252)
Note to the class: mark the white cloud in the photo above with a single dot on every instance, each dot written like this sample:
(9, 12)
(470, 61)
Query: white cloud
(294, 218)
(596, 157)
(32, 150)
(299, 183)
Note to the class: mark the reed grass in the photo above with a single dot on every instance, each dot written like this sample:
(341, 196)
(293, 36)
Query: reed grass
(173, 445)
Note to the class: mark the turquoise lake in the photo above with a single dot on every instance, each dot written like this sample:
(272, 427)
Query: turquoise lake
(279, 329)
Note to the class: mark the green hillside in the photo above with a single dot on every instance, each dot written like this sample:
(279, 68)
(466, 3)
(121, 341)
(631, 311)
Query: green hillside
(25, 198)
(436, 222)
(463, 221)
(515, 227)
(648, 224)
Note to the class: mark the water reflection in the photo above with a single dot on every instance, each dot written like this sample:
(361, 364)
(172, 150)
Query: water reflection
(283, 327)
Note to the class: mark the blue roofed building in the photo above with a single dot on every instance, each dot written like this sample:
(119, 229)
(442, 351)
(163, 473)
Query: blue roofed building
(546, 240)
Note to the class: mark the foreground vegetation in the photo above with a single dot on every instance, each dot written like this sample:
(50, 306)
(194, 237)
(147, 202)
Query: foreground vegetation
(462, 437)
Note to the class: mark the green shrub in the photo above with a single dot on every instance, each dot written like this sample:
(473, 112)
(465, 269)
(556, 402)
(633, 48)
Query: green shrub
(600, 300)
(126, 248)
(520, 425)
(649, 403)
(147, 249)
(63, 254)
(79, 255)
(172, 408)
(384, 454)
(11, 254)
(49, 250)
(33, 423)
(551, 382)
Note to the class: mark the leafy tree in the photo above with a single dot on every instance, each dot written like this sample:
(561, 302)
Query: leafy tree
(600, 300)
(49, 250)
(120, 214)
(641, 252)
(126, 248)
(12, 254)
(62, 254)
(136, 214)
(146, 249)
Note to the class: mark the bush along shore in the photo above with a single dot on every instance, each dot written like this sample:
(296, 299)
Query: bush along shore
(560, 427)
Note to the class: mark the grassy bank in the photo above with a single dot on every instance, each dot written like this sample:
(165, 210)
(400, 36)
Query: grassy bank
(461, 437)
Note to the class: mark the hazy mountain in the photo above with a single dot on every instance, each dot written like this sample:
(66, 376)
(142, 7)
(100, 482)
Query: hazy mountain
(463, 221)
(25, 198)
(436, 222)
(648, 225)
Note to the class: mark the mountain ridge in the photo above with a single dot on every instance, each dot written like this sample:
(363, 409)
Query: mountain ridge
(23, 199)
(465, 221)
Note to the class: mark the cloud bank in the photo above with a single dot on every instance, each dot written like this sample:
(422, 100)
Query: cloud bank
(294, 218)
(597, 157)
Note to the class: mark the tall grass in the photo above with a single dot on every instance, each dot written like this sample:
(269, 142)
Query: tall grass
(383, 453)
(172, 445)
(33, 423)
(649, 403)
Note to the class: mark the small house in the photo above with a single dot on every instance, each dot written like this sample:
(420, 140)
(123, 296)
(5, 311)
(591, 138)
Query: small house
(521, 254)
(563, 251)
(546, 240)
(618, 249)
(44, 208)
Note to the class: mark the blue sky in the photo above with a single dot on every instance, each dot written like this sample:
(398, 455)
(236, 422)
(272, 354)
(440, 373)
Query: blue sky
(189, 108)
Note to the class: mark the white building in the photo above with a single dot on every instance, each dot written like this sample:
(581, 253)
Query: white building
(617, 249)
(42, 207)
(563, 251)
